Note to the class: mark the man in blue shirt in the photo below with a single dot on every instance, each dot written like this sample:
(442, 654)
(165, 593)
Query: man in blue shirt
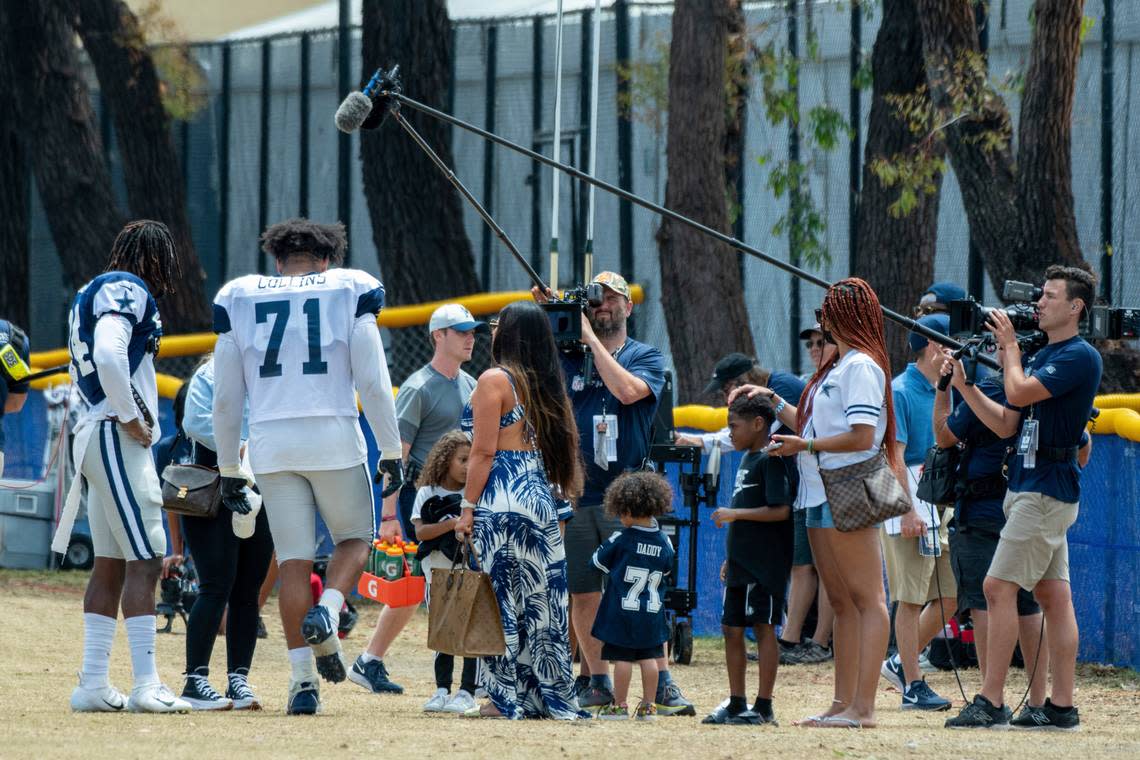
(1047, 406)
(913, 578)
(614, 408)
(13, 389)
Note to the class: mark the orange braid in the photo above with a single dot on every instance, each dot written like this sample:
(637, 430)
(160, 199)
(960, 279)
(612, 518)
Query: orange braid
(852, 310)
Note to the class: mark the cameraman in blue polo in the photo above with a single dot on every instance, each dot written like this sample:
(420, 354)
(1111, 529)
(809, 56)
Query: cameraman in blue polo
(1049, 397)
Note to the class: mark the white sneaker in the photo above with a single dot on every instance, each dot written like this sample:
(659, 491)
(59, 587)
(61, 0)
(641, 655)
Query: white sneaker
(925, 665)
(438, 701)
(105, 698)
(460, 703)
(156, 698)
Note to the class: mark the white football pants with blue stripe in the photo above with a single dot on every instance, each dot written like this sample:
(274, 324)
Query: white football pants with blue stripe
(124, 498)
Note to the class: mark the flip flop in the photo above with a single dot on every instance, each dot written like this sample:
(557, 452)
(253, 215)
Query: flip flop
(834, 721)
(812, 721)
(477, 712)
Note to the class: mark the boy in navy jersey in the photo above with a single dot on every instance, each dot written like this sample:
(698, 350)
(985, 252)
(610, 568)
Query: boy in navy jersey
(631, 619)
(760, 540)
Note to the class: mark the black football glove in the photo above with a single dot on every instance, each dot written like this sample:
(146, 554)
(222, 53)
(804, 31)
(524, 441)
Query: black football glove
(394, 469)
(233, 495)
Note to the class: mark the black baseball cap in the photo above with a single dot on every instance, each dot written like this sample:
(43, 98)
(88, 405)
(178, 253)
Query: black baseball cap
(806, 332)
(731, 366)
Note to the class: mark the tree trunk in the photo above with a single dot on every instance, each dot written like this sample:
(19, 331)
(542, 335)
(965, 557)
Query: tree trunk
(700, 278)
(895, 255)
(14, 284)
(58, 130)
(1044, 140)
(417, 216)
(1020, 212)
(151, 169)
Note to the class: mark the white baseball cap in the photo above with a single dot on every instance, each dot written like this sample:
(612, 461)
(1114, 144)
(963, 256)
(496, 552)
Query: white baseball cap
(456, 317)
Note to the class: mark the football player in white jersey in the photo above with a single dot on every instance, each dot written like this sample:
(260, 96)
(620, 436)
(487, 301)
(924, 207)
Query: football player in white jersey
(296, 345)
(114, 330)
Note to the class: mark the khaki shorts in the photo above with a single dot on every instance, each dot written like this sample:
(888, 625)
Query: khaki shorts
(913, 578)
(292, 500)
(1033, 546)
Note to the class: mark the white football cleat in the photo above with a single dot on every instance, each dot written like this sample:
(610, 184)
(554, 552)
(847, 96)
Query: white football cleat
(105, 698)
(156, 698)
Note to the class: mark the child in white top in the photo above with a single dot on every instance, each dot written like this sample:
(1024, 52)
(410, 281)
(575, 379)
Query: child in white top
(440, 483)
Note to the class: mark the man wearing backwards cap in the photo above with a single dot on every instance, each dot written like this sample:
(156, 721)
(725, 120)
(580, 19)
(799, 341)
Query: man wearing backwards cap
(915, 579)
(429, 404)
(937, 298)
(614, 408)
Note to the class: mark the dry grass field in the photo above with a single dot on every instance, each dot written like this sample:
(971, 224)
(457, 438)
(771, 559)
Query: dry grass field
(41, 638)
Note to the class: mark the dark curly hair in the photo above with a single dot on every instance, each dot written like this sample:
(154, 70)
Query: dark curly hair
(439, 458)
(639, 494)
(300, 236)
(751, 408)
(146, 248)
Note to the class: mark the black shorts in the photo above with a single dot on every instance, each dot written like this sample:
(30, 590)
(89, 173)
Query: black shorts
(614, 653)
(970, 554)
(751, 605)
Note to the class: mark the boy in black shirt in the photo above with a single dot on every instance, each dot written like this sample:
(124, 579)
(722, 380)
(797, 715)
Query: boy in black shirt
(760, 538)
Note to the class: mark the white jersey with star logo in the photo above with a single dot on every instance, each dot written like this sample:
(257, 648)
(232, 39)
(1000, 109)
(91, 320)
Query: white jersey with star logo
(852, 393)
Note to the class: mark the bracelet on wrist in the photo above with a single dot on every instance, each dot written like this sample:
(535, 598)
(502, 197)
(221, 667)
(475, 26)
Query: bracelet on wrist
(811, 445)
(466, 505)
(388, 518)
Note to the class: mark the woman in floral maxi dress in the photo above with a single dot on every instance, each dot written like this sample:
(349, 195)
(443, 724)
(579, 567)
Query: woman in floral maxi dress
(523, 440)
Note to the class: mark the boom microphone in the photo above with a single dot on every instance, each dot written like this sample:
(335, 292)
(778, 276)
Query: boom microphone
(369, 108)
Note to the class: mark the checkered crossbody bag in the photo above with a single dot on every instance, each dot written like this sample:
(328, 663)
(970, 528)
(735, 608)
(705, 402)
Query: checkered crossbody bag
(864, 494)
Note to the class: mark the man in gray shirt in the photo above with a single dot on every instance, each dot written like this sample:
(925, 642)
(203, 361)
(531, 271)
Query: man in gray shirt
(428, 404)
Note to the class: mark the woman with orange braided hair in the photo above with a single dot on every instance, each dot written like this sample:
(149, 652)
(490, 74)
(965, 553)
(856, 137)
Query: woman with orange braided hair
(843, 417)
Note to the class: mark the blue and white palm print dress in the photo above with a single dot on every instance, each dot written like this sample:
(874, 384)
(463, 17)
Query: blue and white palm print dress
(520, 547)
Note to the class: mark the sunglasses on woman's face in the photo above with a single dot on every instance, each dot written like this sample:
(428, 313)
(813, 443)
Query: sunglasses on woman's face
(817, 343)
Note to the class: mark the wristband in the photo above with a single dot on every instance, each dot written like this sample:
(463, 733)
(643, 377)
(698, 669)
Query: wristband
(811, 445)
(780, 406)
(388, 518)
(466, 505)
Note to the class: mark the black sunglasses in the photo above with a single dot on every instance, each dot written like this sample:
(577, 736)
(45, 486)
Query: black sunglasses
(819, 316)
(818, 342)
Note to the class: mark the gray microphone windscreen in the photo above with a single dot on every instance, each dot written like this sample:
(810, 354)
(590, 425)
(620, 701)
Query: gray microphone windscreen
(353, 111)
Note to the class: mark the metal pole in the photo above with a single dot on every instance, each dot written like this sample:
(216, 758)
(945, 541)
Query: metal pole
(488, 148)
(224, 166)
(975, 267)
(1107, 96)
(344, 141)
(855, 151)
(794, 190)
(626, 195)
(263, 149)
(306, 92)
(556, 151)
(625, 142)
(536, 126)
(592, 166)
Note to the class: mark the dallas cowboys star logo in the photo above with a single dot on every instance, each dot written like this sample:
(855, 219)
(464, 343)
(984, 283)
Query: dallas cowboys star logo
(125, 302)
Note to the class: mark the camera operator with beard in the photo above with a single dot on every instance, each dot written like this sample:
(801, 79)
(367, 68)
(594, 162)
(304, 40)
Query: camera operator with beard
(1047, 406)
(614, 408)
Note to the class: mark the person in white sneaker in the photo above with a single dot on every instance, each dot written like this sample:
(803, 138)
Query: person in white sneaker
(114, 329)
(231, 553)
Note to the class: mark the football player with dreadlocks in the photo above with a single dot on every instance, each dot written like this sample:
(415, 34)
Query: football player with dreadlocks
(114, 330)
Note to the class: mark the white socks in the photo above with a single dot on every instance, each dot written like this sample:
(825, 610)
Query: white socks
(332, 600)
(302, 664)
(98, 636)
(369, 657)
(140, 636)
